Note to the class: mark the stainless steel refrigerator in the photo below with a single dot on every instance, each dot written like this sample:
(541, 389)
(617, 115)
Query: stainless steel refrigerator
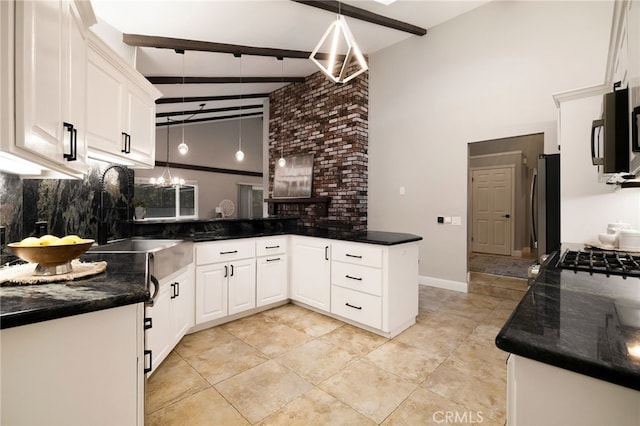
(545, 204)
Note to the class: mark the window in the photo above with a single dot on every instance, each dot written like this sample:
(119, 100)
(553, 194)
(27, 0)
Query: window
(249, 201)
(168, 202)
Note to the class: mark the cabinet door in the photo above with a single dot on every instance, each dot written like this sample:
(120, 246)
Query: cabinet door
(160, 335)
(211, 292)
(242, 285)
(272, 279)
(77, 370)
(310, 272)
(182, 305)
(104, 105)
(75, 85)
(50, 80)
(39, 68)
(141, 127)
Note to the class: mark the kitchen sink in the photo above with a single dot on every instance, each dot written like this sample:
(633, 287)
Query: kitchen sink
(163, 257)
(136, 246)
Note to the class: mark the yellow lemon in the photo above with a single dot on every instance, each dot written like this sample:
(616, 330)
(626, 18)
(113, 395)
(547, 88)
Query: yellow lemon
(70, 240)
(30, 242)
(48, 240)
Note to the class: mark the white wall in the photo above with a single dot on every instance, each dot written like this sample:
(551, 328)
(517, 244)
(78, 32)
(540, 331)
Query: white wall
(485, 75)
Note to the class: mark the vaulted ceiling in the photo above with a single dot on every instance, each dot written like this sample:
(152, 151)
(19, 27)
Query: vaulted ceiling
(237, 81)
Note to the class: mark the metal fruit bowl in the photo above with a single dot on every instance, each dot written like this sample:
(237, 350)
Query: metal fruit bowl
(52, 259)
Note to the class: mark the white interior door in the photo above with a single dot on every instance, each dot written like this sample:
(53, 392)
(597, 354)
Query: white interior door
(492, 195)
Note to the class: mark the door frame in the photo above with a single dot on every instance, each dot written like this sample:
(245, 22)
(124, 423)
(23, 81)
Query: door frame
(513, 205)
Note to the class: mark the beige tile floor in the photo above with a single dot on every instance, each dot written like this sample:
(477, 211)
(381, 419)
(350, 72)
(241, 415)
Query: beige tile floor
(292, 366)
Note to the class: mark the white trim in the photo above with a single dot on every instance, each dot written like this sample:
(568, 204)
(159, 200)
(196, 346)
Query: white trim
(495, 154)
(442, 283)
(584, 92)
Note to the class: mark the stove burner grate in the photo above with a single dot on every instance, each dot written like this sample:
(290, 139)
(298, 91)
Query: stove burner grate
(601, 262)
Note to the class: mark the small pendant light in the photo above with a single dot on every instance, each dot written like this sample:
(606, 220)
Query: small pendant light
(281, 162)
(239, 153)
(183, 148)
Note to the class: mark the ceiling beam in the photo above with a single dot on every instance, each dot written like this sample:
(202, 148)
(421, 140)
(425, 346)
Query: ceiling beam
(206, 111)
(364, 15)
(200, 120)
(181, 44)
(211, 98)
(221, 80)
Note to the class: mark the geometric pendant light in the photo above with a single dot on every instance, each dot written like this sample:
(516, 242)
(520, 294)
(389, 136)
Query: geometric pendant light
(343, 52)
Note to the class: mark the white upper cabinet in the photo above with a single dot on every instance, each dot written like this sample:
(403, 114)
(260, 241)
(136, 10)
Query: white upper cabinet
(50, 80)
(120, 109)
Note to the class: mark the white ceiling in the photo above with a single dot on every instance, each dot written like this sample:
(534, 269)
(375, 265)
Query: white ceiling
(280, 24)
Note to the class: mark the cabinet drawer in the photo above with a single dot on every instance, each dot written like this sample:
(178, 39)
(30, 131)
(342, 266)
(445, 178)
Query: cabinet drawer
(223, 251)
(361, 307)
(267, 246)
(357, 277)
(357, 254)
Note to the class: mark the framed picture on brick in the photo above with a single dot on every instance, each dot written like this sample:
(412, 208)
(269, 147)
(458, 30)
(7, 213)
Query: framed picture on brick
(295, 178)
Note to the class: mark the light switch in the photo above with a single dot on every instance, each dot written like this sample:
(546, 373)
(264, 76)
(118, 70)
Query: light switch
(447, 219)
(456, 220)
(402, 191)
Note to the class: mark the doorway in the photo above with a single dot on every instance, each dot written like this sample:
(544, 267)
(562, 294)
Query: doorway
(500, 173)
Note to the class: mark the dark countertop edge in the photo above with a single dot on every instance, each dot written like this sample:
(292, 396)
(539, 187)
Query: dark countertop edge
(367, 237)
(612, 374)
(70, 309)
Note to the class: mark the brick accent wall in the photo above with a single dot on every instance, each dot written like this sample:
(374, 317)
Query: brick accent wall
(330, 121)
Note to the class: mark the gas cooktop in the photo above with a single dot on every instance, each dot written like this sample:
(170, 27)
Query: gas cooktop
(601, 262)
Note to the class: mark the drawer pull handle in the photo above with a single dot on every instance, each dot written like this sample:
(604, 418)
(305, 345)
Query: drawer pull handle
(273, 260)
(271, 247)
(353, 255)
(148, 323)
(354, 307)
(353, 278)
(229, 252)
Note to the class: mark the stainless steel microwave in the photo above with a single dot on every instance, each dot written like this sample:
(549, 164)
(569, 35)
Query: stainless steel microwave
(610, 135)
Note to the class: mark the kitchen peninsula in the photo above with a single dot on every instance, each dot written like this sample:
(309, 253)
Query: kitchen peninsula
(574, 341)
(370, 280)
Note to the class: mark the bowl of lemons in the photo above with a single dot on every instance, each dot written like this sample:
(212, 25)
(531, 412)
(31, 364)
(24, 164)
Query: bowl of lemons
(52, 254)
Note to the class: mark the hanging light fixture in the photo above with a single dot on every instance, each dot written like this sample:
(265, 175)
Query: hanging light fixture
(183, 148)
(166, 179)
(338, 64)
(239, 153)
(281, 162)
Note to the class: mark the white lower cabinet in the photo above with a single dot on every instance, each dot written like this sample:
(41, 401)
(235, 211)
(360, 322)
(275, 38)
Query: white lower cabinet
(542, 394)
(224, 288)
(311, 272)
(172, 314)
(375, 285)
(79, 370)
(357, 306)
(272, 276)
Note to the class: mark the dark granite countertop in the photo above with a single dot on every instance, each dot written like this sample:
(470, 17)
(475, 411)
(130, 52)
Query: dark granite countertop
(123, 283)
(586, 323)
(368, 237)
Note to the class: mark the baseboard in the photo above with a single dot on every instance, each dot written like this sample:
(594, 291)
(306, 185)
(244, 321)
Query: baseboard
(441, 283)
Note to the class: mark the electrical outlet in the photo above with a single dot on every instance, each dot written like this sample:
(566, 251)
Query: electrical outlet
(456, 220)
(402, 190)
